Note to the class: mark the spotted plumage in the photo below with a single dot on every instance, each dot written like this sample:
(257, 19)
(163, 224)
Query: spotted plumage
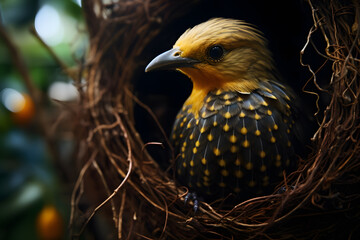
(236, 132)
(239, 143)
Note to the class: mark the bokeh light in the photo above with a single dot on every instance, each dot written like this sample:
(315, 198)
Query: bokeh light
(78, 2)
(49, 26)
(13, 100)
(62, 91)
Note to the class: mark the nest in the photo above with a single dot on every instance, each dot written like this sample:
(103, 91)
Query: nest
(141, 201)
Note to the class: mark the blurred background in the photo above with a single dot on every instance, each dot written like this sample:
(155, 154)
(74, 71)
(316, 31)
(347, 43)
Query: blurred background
(34, 188)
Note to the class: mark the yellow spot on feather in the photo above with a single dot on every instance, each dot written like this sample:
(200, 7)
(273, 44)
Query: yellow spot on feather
(263, 168)
(233, 139)
(217, 151)
(239, 174)
(249, 166)
(225, 172)
(252, 183)
(233, 149)
(246, 144)
(243, 131)
(227, 115)
(287, 162)
(268, 90)
(222, 163)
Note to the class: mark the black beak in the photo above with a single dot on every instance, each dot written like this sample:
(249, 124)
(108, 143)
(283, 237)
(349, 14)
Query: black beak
(170, 60)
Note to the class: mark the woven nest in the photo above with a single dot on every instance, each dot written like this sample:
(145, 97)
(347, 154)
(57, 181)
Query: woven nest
(141, 201)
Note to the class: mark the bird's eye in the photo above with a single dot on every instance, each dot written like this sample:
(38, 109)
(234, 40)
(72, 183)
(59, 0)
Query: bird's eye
(216, 52)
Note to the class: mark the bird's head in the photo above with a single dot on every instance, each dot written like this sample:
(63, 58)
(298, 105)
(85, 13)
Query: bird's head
(222, 54)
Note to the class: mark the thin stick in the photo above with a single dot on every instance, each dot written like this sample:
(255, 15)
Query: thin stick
(35, 95)
(121, 211)
(102, 177)
(77, 185)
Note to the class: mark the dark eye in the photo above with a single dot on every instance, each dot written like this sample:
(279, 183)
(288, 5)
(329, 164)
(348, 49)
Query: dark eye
(216, 52)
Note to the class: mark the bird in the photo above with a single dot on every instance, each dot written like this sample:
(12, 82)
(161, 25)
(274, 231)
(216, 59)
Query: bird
(235, 133)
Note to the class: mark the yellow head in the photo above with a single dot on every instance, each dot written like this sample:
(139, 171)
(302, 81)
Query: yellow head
(220, 53)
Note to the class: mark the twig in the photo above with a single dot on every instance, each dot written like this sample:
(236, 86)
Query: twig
(61, 63)
(102, 177)
(35, 95)
(114, 192)
(121, 211)
(77, 185)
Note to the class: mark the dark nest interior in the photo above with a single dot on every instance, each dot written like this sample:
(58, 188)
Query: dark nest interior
(127, 188)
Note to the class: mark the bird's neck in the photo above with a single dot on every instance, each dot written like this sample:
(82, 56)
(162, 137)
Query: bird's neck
(196, 100)
(202, 85)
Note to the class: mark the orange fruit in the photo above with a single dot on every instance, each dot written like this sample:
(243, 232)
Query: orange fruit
(26, 110)
(49, 224)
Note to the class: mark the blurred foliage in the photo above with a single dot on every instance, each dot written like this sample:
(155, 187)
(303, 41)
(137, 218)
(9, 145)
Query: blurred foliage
(32, 195)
